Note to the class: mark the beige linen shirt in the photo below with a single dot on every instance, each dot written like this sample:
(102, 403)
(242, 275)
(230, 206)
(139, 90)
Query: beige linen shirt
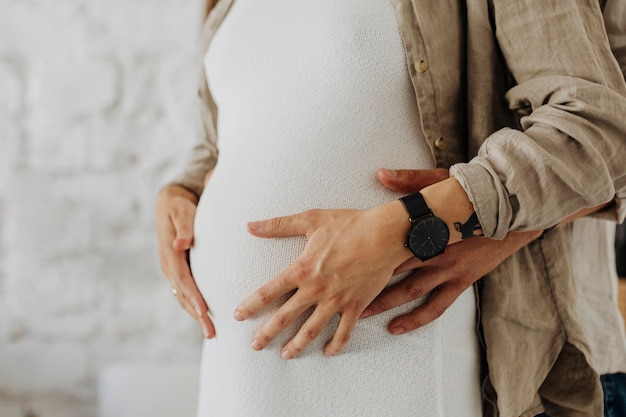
(526, 104)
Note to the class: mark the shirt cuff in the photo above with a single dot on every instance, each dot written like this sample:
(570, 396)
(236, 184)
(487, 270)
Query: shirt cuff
(485, 191)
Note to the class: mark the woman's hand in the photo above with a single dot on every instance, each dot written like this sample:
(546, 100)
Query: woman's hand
(348, 259)
(174, 216)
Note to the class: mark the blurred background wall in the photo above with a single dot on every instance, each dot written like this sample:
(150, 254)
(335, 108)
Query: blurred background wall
(96, 112)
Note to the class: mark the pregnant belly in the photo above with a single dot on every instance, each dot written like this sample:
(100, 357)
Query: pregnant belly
(278, 174)
(228, 263)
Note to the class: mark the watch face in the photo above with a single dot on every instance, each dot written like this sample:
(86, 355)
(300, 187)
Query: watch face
(428, 237)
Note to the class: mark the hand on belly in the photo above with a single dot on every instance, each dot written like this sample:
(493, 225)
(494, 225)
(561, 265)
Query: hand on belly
(349, 257)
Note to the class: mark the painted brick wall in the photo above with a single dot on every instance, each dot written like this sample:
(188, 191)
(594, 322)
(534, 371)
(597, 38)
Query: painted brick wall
(96, 112)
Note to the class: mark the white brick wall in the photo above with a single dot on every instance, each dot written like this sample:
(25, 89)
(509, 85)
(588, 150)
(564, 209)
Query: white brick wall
(96, 111)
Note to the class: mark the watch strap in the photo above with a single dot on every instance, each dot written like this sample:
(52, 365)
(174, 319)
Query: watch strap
(416, 206)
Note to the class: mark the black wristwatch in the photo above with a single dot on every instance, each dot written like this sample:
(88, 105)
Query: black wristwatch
(428, 235)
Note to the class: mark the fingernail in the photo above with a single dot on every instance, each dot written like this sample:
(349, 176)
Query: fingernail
(206, 333)
(254, 226)
(287, 355)
(389, 172)
(256, 345)
(397, 330)
(238, 315)
(366, 313)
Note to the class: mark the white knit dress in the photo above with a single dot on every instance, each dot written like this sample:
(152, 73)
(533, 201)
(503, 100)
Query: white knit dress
(313, 97)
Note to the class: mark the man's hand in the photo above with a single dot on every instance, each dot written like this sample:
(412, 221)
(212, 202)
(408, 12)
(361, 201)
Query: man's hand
(445, 276)
(174, 216)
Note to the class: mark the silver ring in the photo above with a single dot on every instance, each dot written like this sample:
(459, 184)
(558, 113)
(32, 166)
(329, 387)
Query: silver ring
(174, 291)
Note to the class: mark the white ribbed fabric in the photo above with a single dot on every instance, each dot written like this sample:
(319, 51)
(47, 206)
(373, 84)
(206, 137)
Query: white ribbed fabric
(313, 97)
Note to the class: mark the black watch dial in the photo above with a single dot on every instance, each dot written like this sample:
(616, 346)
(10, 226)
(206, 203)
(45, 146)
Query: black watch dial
(428, 237)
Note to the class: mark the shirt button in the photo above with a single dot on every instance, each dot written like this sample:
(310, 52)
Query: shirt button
(440, 144)
(421, 66)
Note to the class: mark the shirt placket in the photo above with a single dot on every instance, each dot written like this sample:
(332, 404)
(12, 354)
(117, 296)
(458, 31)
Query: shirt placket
(422, 80)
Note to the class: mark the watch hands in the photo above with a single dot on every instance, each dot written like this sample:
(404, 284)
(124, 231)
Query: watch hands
(426, 241)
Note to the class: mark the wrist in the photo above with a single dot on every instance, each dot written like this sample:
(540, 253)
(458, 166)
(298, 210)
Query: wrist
(177, 190)
(394, 225)
(449, 201)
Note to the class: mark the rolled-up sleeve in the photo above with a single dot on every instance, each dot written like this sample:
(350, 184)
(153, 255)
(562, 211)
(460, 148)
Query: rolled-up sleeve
(569, 150)
(203, 156)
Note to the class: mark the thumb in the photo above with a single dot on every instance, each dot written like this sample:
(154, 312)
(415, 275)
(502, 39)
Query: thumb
(182, 220)
(410, 180)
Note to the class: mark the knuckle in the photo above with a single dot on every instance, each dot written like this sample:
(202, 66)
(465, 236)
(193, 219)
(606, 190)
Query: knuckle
(262, 338)
(352, 309)
(342, 340)
(200, 308)
(295, 348)
(243, 311)
(195, 297)
(280, 320)
(381, 305)
(311, 216)
(309, 333)
(301, 272)
(414, 292)
(414, 323)
(264, 295)
(438, 310)
(318, 290)
(333, 349)
(276, 223)
(450, 290)
(296, 345)
(413, 320)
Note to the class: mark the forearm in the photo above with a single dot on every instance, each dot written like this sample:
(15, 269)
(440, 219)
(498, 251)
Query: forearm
(514, 241)
(566, 153)
(448, 201)
(203, 156)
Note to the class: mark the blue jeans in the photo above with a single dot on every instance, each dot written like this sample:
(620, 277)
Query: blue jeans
(614, 387)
